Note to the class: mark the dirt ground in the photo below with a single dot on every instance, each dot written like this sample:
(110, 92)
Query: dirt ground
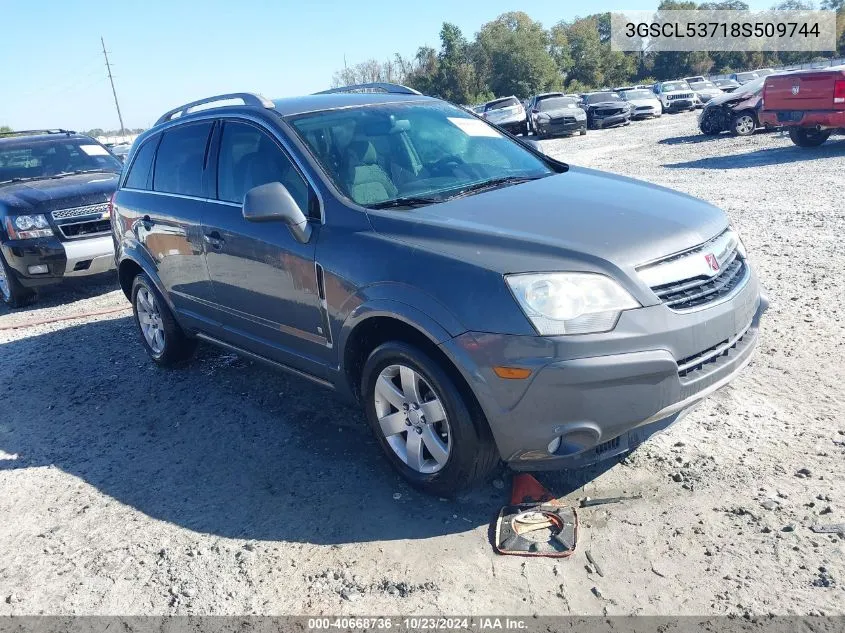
(226, 488)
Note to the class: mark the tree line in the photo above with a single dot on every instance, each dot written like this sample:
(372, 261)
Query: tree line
(515, 55)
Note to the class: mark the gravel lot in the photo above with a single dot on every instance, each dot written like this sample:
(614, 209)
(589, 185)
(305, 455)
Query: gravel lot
(225, 488)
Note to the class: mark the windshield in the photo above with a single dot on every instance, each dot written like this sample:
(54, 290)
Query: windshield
(429, 151)
(598, 97)
(671, 86)
(630, 95)
(556, 103)
(746, 76)
(752, 86)
(50, 157)
(702, 85)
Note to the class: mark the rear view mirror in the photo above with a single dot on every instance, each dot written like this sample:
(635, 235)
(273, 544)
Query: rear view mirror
(272, 201)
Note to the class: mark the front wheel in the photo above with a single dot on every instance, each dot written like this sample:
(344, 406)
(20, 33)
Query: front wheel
(743, 124)
(162, 337)
(808, 137)
(12, 293)
(436, 439)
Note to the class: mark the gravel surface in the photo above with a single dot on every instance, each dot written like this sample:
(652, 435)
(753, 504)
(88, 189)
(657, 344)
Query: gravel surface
(226, 488)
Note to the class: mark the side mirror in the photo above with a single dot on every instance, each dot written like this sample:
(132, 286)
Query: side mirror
(272, 201)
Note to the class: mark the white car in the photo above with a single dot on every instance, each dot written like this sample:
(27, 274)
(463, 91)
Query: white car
(507, 112)
(705, 90)
(644, 103)
(675, 96)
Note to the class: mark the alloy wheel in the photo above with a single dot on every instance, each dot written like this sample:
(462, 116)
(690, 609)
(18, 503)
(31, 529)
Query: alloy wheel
(149, 318)
(412, 419)
(745, 124)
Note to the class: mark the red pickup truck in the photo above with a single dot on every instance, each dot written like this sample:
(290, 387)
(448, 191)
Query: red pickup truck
(811, 104)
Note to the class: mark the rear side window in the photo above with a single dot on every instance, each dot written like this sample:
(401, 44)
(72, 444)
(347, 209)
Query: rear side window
(139, 172)
(248, 158)
(180, 160)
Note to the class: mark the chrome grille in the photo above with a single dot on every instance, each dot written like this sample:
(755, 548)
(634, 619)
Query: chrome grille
(693, 293)
(86, 221)
(76, 212)
(681, 96)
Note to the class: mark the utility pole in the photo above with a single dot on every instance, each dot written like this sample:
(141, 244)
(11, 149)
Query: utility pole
(113, 91)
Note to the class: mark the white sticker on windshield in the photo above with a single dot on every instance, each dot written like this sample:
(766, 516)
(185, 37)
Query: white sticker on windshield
(474, 127)
(94, 150)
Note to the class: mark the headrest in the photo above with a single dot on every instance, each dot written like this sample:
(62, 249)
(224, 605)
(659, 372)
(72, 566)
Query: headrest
(364, 151)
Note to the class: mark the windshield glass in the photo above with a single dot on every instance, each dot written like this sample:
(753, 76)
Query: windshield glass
(381, 153)
(598, 97)
(702, 85)
(48, 157)
(752, 86)
(630, 95)
(671, 86)
(746, 76)
(556, 103)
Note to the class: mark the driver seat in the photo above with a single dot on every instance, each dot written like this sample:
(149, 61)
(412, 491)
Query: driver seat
(368, 183)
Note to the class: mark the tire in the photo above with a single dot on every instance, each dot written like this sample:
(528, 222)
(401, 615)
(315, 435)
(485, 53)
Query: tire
(743, 123)
(166, 344)
(454, 452)
(582, 132)
(807, 137)
(707, 125)
(12, 293)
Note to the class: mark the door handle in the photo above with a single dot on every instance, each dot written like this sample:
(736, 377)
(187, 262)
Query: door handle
(214, 240)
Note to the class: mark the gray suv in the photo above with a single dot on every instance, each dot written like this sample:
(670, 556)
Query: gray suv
(481, 301)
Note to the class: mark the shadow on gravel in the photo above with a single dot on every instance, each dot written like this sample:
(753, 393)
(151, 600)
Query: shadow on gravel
(220, 446)
(691, 139)
(763, 157)
(70, 290)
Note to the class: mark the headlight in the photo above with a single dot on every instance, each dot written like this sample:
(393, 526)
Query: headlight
(570, 303)
(25, 227)
(740, 247)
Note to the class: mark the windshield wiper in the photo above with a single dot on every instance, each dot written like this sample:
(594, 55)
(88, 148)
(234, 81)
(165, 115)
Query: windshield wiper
(492, 184)
(410, 202)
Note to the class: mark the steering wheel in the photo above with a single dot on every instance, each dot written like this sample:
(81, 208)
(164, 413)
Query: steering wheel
(442, 164)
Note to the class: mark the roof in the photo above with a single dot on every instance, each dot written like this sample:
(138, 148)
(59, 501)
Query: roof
(314, 103)
(29, 139)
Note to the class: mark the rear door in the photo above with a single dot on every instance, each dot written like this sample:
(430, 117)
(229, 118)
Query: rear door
(161, 204)
(264, 280)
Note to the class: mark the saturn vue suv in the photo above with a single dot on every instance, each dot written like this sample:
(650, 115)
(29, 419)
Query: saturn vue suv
(481, 301)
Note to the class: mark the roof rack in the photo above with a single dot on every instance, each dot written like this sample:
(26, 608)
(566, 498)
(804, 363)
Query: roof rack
(34, 132)
(379, 86)
(248, 98)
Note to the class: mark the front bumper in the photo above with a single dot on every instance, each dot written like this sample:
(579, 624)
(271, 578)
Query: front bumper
(548, 128)
(680, 104)
(609, 121)
(603, 394)
(72, 258)
(644, 114)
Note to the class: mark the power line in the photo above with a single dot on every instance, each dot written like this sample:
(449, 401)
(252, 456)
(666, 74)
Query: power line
(113, 91)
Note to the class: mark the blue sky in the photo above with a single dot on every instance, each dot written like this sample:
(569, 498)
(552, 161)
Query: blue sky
(166, 53)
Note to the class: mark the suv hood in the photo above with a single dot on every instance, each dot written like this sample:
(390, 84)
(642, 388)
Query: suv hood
(583, 216)
(48, 194)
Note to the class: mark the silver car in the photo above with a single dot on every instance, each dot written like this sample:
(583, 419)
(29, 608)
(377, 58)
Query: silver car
(644, 103)
(705, 90)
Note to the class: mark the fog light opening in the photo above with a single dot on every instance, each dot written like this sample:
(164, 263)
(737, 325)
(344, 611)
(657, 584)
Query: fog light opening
(38, 269)
(554, 445)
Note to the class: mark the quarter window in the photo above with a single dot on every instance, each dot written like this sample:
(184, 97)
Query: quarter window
(249, 158)
(180, 160)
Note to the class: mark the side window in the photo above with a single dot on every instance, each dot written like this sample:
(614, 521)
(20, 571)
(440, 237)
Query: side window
(139, 172)
(248, 158)
(180, 160)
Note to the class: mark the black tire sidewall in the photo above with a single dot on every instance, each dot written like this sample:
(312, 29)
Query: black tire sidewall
(466, 442)
(735, 119)
(18, 295)
(177, 346)
(142, 281)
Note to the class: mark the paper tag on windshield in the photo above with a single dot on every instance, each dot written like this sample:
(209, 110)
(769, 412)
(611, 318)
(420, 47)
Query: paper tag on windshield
(94, 150)
(474, 127)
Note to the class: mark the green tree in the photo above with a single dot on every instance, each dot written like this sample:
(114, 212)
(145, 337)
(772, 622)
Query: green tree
(5, 128)
(515, 50)
(585, 49)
